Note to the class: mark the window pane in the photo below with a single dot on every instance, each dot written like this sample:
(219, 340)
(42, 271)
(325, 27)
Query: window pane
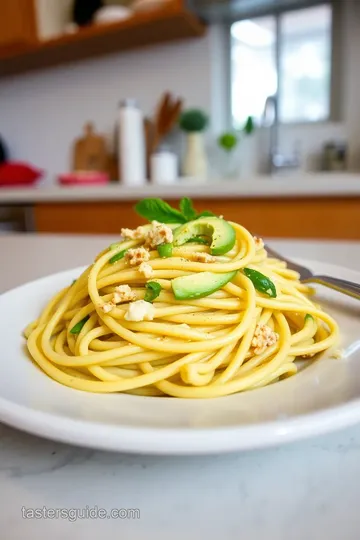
(305, 64)
(253, 67)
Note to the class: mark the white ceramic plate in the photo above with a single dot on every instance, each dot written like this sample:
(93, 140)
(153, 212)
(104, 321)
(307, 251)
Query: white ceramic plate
(325, 396)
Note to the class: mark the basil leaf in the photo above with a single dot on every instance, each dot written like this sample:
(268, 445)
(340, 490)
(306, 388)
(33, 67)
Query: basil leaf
(159, 210)
(118, 256)
(79, 326)
(187, 209)
(199, 240)
(308, 317)
(261, 283)
(153, 290)
(206, 213)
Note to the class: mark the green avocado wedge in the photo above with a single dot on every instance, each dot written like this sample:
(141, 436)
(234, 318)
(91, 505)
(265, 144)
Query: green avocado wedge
(199, 285)
(222, 234)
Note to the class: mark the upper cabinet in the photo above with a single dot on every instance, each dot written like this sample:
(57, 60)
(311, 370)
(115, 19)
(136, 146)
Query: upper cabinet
(17, 24)
(32, 39)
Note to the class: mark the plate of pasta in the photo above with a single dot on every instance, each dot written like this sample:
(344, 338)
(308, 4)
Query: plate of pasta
(182, 337)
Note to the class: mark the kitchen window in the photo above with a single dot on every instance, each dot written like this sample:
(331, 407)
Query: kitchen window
(288, 55)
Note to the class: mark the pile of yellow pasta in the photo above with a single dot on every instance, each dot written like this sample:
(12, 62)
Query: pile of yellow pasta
(195, 348)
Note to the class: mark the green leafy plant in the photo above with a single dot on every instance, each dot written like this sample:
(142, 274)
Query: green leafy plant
(228, 141)
(249, 126)
(193, 120)
(159, 210)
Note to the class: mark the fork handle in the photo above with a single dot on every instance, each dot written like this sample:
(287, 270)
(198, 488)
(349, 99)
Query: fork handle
(340, 285)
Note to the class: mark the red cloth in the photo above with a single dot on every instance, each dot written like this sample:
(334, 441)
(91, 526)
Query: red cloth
(18, 174)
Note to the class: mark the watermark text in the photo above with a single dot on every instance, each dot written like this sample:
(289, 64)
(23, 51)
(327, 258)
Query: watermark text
(74, 514)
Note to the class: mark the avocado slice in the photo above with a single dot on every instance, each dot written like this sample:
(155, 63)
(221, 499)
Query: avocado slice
(199, 285)
(222, 234)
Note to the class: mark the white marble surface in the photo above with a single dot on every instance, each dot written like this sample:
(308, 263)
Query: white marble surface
(298, 184)
(309, 490)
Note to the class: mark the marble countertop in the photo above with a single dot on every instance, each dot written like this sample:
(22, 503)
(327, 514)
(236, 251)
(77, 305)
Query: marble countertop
(301, 491)
(298, 185)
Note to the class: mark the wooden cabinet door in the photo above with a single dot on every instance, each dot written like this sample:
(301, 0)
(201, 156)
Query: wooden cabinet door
(17, 23)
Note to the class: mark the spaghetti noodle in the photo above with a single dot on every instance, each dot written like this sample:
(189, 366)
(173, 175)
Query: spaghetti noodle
(236, 338)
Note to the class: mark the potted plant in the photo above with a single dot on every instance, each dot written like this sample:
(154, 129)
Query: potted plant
(194, 122)
(228, 141)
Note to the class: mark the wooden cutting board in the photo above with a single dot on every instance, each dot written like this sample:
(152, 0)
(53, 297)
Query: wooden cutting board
(90, 151)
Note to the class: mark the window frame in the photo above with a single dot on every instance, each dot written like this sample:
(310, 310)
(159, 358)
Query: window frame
(335, 112)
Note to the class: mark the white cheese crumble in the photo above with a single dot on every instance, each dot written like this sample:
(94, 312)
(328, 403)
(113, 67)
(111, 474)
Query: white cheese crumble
(123, 293)
(136, 256)
(146, 270)
(140, 311)
(203, 257)
(106, 308)
(134, 234)
(264, 337)
(159, 234)
(259, 242)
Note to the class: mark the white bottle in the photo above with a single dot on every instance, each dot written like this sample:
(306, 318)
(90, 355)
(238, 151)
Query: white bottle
(195, 160)
(163, 166)
(131, 141)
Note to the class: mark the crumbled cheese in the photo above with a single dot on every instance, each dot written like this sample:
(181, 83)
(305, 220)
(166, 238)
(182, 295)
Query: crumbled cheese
(159, 234)
(106, 308)
(140, 311)
(123, 293)
(136, 256)
(146, 270)
(338, 355)
(134, 234)
(259, 242)
(264, 337)
(203, 257)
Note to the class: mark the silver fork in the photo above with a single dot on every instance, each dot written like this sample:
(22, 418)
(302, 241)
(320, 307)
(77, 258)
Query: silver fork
(307, 276)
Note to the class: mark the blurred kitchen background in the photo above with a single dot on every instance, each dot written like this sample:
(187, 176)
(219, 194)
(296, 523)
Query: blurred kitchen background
(250, 107)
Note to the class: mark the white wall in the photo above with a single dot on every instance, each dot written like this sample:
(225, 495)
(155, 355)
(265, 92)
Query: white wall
(42, 113)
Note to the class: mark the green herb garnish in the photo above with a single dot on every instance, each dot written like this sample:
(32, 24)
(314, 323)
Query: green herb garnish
(165, 250)
(159, 210)
(79, 326)
(187, 209)
(153, 289)
(261, 283)
(308, 317)
(118, 257)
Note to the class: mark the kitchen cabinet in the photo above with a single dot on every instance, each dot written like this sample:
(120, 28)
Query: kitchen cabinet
(17, 24)
(317, 217)
(21, 51)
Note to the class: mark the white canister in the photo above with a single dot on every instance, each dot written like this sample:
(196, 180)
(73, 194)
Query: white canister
(195, 160)
(163, 167)
(131, 141)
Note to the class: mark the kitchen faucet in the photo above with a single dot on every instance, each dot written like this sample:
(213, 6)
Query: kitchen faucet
(278, 162)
